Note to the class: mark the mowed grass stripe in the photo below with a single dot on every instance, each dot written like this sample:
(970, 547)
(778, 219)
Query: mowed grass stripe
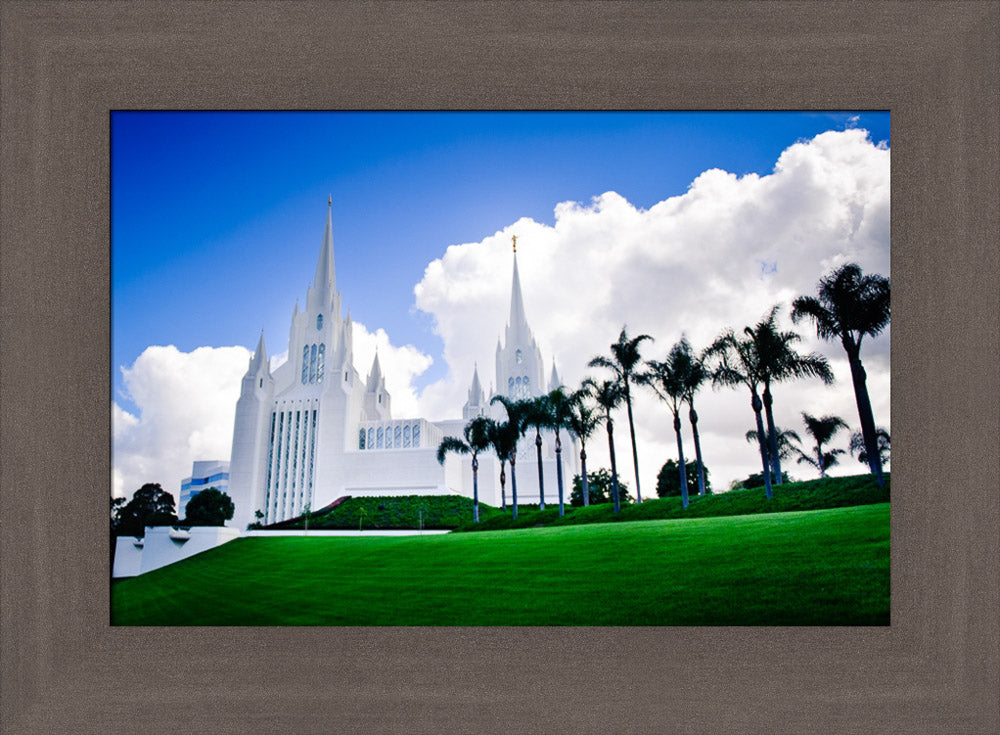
(826, 567)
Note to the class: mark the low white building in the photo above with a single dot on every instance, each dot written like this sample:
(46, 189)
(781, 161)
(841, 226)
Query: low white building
(204, 474)
(314, 429)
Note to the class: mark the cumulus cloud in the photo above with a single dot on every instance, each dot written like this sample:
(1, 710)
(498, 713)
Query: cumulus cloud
(719, 255)
(186, 403)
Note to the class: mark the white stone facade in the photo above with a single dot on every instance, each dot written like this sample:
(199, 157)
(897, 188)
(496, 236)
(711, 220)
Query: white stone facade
(315, 430)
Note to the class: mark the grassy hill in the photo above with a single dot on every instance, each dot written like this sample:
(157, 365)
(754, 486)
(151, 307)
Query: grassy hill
(830, 492)
(454, 512)
(826, 567)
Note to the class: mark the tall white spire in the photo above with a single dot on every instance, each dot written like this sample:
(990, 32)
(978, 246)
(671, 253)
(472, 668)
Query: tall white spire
(325, 280)
(259, 358)
(517, 321)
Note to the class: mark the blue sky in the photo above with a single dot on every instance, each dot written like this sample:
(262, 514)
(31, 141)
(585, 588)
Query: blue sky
(217, 217)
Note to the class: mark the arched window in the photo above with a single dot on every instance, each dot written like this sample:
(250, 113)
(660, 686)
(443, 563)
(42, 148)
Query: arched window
(510, 387)
(416, 435)
(378, 438)
(305, 364)
(319, 321)
(320, 362)
(312, 364)
(371, 438)
(361, 439)
(397, 439)
(406, 435)
(526, 387)
(518, 357)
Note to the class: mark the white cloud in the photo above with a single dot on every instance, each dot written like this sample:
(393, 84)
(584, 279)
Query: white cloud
(718, 256)
(186, 403)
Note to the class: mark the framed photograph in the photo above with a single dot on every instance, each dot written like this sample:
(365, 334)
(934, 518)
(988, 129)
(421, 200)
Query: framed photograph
(67, 67)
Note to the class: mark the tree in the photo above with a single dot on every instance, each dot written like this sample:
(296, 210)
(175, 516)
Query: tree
(737, 363)
(583, 421)
(779, 361)
(695, 377)
(623, 362)
(258, 518)
(850, 305)
(149, 506)
(787, 441)
(537, 413)
(668, 379)
(601, 486)
(502, 437)
(668, 480)
(609, 395)
(477, 439)
(560, 415)
(210, 507)
(516, 411)
(822, 430)
(857, 446)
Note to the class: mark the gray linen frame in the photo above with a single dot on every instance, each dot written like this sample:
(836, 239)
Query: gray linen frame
(934, 65)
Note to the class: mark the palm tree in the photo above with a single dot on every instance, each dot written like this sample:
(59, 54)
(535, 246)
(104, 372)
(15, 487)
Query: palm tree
(501, 435)
(787, 441)
(739, 364)
(583, 422)
(697, 374)
(623, 362)
(857, 446)
(609, 395)
(477, 439)
(849, 306)
(560, 413)
(668, 380)
(537, 413)
(821, 430)
(515, 427)
(779, 361)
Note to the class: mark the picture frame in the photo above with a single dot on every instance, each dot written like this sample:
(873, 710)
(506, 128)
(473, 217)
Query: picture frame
(65, 66)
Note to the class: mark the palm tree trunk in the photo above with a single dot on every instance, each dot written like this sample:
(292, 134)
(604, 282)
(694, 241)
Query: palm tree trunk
(859, 378)
(614, 467)
(475, 489)
(559, 480)
(513, 484)
(503, 488)
(819, 459)
(680, 456)
(635, 454)
(583, 474)
(756, 405)
(772, 435)
(541, 480)
(693, 417)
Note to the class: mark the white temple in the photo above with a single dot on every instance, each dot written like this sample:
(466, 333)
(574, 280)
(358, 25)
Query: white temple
(314, 430)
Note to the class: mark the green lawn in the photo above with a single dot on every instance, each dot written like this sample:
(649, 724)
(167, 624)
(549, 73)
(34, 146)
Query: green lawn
(821, 567)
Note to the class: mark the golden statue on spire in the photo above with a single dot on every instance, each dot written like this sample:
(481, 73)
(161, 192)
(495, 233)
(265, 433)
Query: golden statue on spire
(513, 239)
(329, 200)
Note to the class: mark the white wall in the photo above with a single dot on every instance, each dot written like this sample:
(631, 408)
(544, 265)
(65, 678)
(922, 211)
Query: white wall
(163, 545)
